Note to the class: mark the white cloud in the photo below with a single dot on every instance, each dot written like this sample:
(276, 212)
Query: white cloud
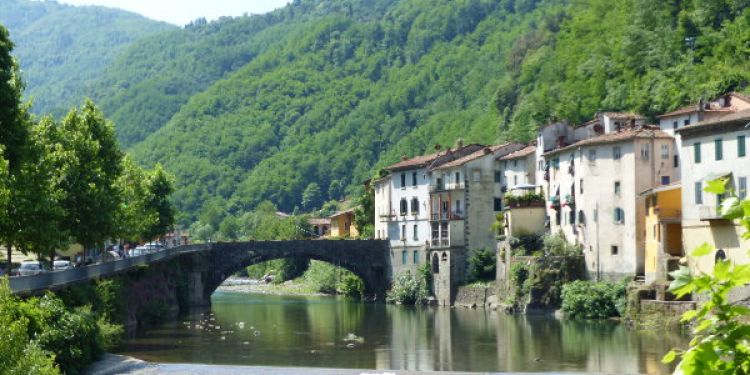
(180, 12)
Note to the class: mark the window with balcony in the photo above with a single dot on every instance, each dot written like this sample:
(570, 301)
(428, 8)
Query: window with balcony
(718, 149)
(741, 144)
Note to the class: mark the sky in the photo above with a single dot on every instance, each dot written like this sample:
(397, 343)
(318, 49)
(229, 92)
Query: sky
(181, 12)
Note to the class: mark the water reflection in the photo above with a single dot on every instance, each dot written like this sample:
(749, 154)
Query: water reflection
(312, 332)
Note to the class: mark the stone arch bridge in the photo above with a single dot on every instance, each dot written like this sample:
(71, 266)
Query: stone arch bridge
(195, 271)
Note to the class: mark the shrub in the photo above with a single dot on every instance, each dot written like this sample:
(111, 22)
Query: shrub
(593, 300)
(19, 353)
(557, 245)
(407, 289)
(322, 277)
(482, 264)
(351, 286)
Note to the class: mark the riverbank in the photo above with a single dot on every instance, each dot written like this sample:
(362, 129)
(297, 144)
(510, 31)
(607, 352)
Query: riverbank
(113, 364)
(296, 287)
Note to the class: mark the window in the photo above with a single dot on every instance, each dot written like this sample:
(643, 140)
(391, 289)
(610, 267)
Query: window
(556, 163)
(592, 156)
(581, 217)
(572, 217)
(741, 151)
(415, 206)
(498, 177)
(403, 233)
(416, 233)
(515, 180)
(476, 176)
(403, 180)
(414, 179)
(698, 193)
(676, 161)
(515, 162)
(541, 165)
(580, 186)
(614, 250)
(498, 204)
(404, 257)
(742, 187)
(404, 207)
(665, 152)
(675, 125)
(619, 216)
(645, 152)
(718, 149)
(697, 152)
(435, 231)
(616, 153)
(617, 187)
(458, 178)
(686, 122)
(458, 206)
(416, 257)
(665, 180)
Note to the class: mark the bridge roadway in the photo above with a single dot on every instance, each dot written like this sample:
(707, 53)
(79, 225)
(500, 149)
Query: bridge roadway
(206, 266)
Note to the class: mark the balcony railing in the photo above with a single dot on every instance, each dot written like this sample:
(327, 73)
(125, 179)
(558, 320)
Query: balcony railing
(446, 187)
(440, 242)
(708, 213)
(455, 215)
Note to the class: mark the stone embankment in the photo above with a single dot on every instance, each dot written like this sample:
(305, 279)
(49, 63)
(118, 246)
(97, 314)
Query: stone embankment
(474, 296)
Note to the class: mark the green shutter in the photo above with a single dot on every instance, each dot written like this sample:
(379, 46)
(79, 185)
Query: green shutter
(697, 149)
(718, 149)
(741, 146)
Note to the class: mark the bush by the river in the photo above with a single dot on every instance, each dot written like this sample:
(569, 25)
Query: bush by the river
(408, 289)
(482, 264)
(281, 269)
(594, 300)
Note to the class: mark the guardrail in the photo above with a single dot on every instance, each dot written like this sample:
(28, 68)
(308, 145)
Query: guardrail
(57, 279)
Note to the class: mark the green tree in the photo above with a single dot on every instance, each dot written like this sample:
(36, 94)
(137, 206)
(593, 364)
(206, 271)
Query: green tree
(158, 204)
(93, 197)
(311, 197)
(134, 218)
(364, 215)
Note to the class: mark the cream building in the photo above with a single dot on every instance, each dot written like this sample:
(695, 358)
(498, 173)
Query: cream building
(519, 170)
(712, 149)
(383, 206)
(592, 188)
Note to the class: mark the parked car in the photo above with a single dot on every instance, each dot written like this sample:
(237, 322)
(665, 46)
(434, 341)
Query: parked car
(61, 265)
(31, 268)
(138, 251)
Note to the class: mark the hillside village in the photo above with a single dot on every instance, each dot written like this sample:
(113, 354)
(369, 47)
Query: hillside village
(629, 193)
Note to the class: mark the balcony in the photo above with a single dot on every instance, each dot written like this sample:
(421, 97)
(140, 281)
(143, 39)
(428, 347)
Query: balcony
(455, 215)
(709, 213)
(439, 243)
(446, 187)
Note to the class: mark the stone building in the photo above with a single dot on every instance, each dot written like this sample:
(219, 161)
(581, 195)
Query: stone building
(712, 149)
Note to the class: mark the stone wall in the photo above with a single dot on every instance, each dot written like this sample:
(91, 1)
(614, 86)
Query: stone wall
(473, 296)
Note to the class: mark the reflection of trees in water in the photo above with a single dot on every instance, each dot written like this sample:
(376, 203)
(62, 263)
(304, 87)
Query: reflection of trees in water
(411, 337)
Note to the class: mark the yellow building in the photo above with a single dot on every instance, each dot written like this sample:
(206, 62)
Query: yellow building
(663, 231)
(342, 224)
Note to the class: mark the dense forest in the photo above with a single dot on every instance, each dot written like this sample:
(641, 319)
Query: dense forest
(314, 97)
(63, 49)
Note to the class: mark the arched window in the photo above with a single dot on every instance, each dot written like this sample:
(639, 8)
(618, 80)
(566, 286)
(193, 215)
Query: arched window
(404, 207)
(720, 256)
(581, 218)
(415, 206)
(435, 263)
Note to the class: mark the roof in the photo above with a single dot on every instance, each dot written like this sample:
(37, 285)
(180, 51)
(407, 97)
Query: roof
(695, 107)
(621, 136)
(735, 119)
(476, 155)
(622, 115)
(659, 189)
(526, 151)
(344, 212)
(436, 159)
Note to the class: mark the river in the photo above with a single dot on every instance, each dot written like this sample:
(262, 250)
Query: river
(270, 330)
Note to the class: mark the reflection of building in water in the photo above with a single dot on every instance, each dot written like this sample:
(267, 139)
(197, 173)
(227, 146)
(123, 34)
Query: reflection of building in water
(410, 346)
(442, 340)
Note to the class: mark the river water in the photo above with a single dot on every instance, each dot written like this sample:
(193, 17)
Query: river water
(269, 330)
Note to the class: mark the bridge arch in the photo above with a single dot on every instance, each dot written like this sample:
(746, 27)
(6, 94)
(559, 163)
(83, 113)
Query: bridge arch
(367, 259)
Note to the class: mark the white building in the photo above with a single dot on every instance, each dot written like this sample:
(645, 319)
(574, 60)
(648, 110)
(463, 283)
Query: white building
(712, 149)
(519, 170)
(671, 122)
(592, 188)
(383, 209)
(408, 223)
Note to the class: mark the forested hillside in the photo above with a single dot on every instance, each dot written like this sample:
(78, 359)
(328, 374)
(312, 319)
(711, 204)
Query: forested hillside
(317, 95)
(64, 49)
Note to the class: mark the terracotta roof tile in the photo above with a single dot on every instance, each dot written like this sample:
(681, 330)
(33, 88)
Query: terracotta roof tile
(625, 135)
(735, 117)
(476, 155)
(436, 159)
(526, 151)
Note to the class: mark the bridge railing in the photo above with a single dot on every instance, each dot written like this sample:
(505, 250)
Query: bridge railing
(57, 279)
